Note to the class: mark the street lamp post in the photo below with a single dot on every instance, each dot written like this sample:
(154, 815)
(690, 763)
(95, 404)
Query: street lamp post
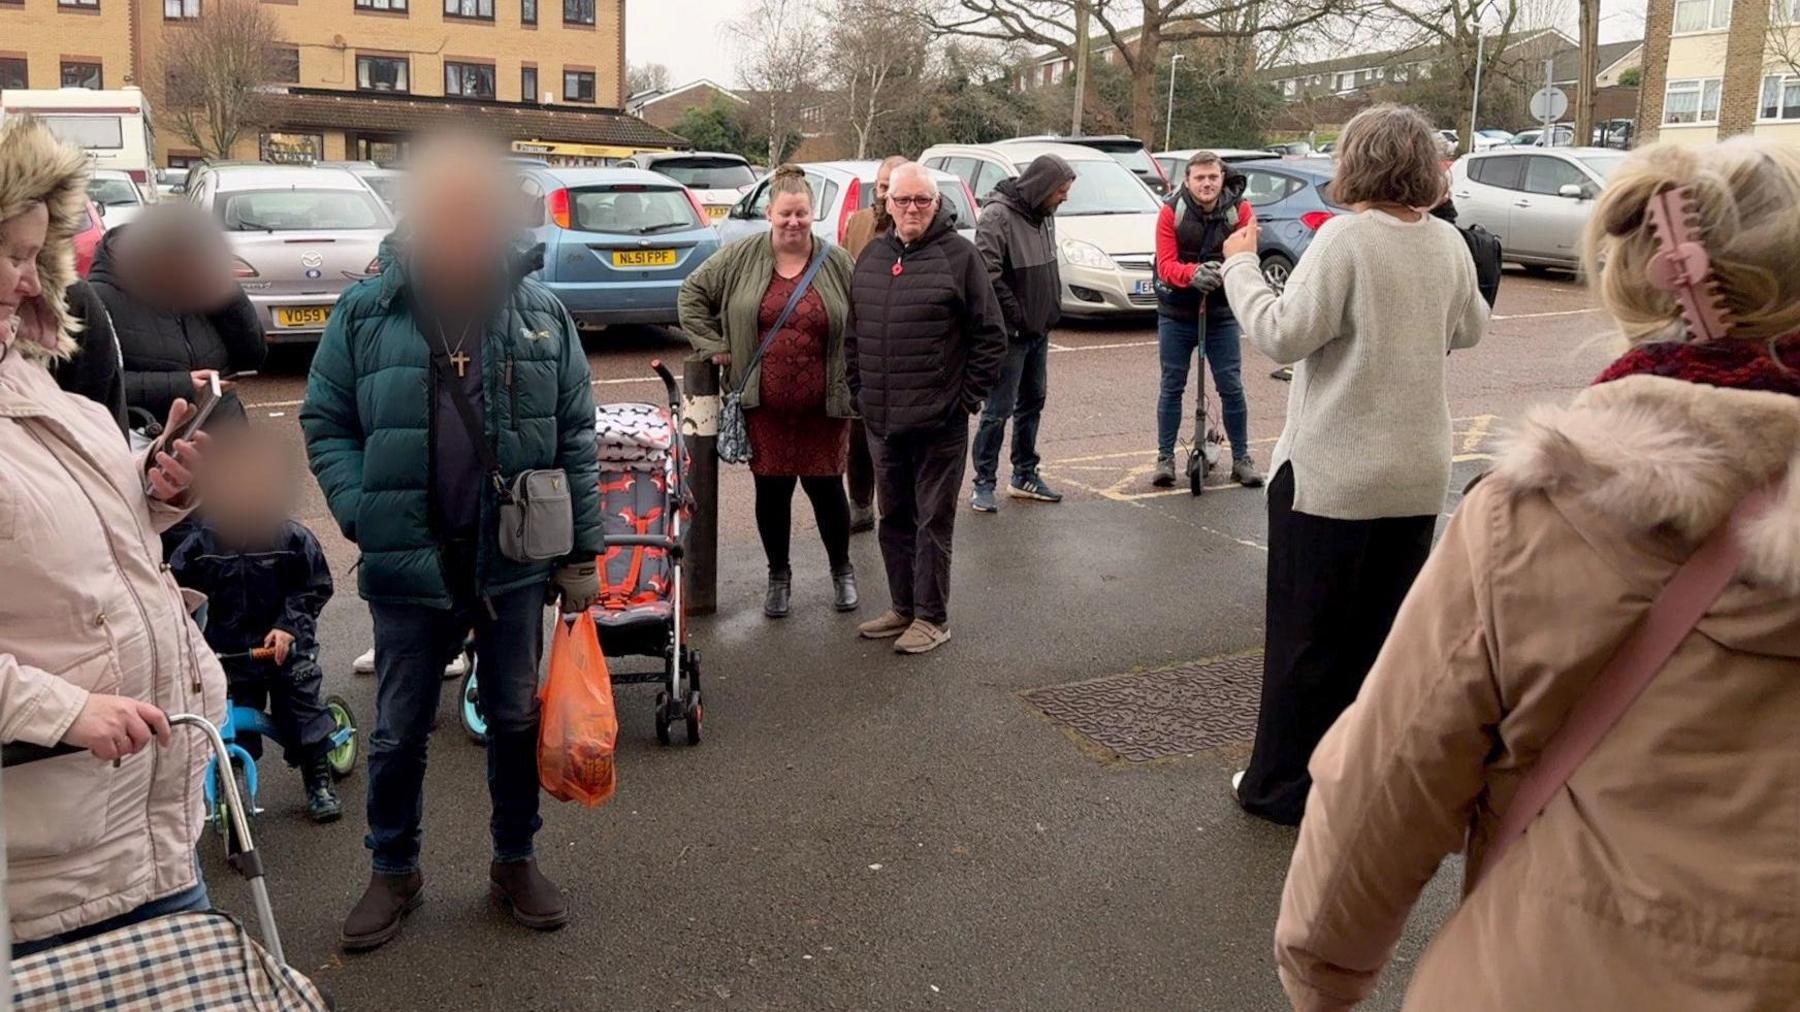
(1169, 116)
(1480, 45)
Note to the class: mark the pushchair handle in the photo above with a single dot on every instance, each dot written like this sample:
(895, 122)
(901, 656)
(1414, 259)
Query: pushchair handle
(669, 384)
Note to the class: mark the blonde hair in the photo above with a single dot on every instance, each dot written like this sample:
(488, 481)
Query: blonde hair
(1389, 154)
(1746, 194)
(788, 178)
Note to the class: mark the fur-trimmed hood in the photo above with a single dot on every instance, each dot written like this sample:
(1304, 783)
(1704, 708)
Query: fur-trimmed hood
(1653, 454)
(35, 166)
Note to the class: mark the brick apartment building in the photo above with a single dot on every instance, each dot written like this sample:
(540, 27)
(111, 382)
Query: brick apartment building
(359, 76)
(1714, 68)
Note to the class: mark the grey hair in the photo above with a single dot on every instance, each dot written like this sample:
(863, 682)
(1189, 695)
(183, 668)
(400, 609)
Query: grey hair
(916, 170)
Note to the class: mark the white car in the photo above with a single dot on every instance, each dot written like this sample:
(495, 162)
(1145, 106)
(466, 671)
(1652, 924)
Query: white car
(119, 196)
(1535, 200)
(718, 179)
(840, 189)
(1106, 233)
(1490, 138)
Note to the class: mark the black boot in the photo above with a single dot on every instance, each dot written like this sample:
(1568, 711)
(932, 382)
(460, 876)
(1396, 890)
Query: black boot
(532, 899)
(781, 588)
(321, 794)
(843, 583)
(376, 917)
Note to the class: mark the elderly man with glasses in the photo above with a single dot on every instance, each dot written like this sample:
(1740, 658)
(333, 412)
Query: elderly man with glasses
(924, 352)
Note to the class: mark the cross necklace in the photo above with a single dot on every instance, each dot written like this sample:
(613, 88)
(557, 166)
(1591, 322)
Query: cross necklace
(457, 357)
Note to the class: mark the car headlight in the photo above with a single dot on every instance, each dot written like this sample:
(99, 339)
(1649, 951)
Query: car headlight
(1085, 254)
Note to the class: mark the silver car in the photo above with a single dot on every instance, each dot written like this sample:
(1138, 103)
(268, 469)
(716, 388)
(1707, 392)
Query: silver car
(119, 196)
(1536, 200)
(301, 235)
(840, 189)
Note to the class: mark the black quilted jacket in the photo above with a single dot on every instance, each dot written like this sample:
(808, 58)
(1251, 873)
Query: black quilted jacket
(926, 344)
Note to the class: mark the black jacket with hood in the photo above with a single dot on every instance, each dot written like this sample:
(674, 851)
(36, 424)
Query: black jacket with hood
(928, 338)
(1017, 241)
(161, 347)
(93, 369)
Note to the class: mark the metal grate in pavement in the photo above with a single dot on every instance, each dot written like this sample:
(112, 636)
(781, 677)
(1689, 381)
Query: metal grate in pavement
(1157, 714)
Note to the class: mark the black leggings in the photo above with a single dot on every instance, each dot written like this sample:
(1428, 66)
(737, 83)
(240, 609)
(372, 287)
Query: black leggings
(775, 516)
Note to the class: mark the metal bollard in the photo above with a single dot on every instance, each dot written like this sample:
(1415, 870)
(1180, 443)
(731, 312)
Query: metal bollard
(700, 426)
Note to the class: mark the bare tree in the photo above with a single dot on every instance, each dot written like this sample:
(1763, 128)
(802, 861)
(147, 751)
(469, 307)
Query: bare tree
(875, 49)
(1784, 36)
(1136, 29)
(1466, 32)
(781, 47)
(1590, 58)
(644, 77)
(213, 81)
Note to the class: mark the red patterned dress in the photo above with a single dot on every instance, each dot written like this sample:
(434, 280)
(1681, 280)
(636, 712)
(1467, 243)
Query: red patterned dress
(790, 433)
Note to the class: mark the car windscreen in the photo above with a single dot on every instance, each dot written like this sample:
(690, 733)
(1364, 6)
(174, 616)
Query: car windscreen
(87, 131)
(111, 192)
(387, 188)
(1104, 188)
(706, 173)
(1135, 159)
(1602, 165)
(297, 209)
(631, 209)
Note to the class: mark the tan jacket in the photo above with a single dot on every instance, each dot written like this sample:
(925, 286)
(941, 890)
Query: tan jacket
(859, 231)
(1666, 875)
(86, 605)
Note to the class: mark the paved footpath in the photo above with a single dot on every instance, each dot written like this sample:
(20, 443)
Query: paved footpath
(1035, 817)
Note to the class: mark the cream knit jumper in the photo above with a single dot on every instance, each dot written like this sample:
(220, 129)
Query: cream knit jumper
(1369, 314)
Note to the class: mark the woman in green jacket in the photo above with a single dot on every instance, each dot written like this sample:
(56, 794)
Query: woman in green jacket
(797, 400)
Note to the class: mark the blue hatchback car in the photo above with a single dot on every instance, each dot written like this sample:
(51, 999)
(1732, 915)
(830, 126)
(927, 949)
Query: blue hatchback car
(617, 242)
(1292, 199)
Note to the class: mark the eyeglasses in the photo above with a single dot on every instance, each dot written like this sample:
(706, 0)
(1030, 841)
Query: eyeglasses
(919, 202)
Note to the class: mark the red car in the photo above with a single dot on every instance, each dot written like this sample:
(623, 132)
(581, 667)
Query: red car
(87, 241)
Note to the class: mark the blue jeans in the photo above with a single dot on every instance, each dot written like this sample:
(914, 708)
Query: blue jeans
(1019, 395)
(413, 643)
(1177, 340)
(188, 900)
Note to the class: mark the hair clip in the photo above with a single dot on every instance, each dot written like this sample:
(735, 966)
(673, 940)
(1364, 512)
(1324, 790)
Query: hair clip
(1682, 266)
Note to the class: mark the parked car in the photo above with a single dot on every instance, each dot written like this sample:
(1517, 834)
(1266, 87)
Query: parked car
(1127, 151)
(1291, 149)
(300, 234)
(1490, 138)
(119, 196)
(717, 179)
(840, 189)
(384, 181)
(1174, 163)
(1292, 198)
(1614, 133)
(172, 181)
(1536, 202)
(1562, 135)
(1106, 232)
(87, 241)
(618, 242)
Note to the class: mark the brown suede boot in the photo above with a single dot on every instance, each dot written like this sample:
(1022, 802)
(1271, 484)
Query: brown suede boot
(532, 899)
(376, 917)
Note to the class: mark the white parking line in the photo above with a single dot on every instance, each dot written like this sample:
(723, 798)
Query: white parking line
(1103, 347)
(1539, 316)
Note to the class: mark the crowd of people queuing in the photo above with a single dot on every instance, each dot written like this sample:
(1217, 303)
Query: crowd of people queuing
(1409, 690)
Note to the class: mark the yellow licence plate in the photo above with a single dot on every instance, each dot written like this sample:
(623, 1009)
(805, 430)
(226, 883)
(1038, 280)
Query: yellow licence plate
(718, 211)
(301, 316)
(643, 257)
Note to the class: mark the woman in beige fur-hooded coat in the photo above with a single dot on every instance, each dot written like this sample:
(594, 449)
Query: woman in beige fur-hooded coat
(96, 645)
(1666, 873)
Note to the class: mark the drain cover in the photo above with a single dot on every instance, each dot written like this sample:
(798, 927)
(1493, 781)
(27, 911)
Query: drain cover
(1157, 714)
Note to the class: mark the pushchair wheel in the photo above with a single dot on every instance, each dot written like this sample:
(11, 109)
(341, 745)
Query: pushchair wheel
(665, 718)
(695, 717)
(343, 719)
(474, 722)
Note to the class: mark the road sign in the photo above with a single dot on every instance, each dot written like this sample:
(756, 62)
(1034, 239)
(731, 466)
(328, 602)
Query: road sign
(1549, 104)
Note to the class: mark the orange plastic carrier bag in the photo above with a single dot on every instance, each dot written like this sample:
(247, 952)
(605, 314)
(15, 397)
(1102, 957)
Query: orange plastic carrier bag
(579, 726)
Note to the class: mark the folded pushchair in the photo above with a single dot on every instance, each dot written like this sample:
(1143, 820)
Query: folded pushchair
(201, 960)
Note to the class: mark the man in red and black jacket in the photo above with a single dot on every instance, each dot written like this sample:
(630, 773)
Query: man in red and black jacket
(1191, 311)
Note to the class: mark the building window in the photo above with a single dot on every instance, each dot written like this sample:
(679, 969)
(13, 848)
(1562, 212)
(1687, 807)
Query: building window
(13, 73)
(382, 73)
(528, 11)
(578, 12)
(1784, 12)
(92, 5)
(381, 5)
(181, 10)
(470, 80)
(1702, 15)
(286, 65)
(82, 75)
(1781, 97)
(481, 9)
(578, 86)
(528, 90)
(1692, 101)
(290, 149)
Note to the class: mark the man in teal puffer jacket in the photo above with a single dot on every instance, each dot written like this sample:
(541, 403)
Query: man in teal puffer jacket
(405, 482)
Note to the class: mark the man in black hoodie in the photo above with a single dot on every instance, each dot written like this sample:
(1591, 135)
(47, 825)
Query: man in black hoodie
(923, 352)
(1017, 241)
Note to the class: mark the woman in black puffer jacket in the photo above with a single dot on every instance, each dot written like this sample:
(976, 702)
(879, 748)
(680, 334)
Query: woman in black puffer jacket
(166, 282)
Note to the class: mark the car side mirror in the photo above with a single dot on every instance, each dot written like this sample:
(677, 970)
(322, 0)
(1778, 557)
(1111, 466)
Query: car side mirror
(1573, 191)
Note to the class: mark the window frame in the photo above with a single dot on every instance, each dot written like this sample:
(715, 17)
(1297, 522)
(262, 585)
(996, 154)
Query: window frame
(528, 12)
(1698, 86)
(24, 66)
(404, 61)
(458, 15)
(382, 6)
(493, 79)
(280, 61)
(1516, 162)
(62, 74)
(78, 5)
(1784, 12)
(592, 86)
(1290, 186)
(1581, 177)
(593, 10)
(529, 94)
(986, 172)
(1784, 112)
(181, 14)
(1712, 16)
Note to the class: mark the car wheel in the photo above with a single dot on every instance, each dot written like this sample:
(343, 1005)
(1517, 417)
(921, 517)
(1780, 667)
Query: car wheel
(1276, 268)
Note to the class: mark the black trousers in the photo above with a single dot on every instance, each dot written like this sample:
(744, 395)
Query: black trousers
(859, 472)
(918, 477)
(1334, 587)
(775, 516)
(294, 696)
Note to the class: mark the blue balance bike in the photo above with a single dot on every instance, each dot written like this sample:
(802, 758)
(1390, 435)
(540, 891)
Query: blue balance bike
(246, 720)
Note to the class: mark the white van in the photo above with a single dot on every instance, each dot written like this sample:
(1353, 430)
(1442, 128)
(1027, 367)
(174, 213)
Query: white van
(113, 127)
